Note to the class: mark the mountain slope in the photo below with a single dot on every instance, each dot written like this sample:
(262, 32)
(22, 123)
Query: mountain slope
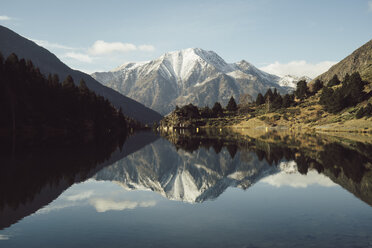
(359, 61)
(192, 75)
(10, 42)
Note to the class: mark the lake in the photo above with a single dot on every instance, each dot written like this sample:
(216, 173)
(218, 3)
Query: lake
(190, 189)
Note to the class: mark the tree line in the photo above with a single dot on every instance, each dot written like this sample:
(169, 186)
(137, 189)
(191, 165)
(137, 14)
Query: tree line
(335, 96)
(29, 100)
(191, 111)
(348, 92)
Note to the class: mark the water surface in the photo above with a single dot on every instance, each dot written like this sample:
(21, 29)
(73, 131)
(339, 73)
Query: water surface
(200, 190)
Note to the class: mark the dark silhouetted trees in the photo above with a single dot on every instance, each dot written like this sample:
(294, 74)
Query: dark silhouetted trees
(231, 105)
(349, 94)
(260, 99)
(217, 109)
(334, 81)
(189, 111)
(287, 100)
(28, 100)
(317, 86)
(302, 90)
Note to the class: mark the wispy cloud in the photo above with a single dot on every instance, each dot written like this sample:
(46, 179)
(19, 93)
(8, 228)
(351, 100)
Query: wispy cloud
(51, 45)
(56, 207)
(297, 180)
(146, 48)
(4, 237)
(79, 56)
(103, 205)
(80, 196)
(370, 6)
(101, 47)
(298, 68)
(5, 18)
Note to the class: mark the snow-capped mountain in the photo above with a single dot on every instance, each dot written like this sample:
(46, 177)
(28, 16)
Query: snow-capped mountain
(291, 81)
(188, 76)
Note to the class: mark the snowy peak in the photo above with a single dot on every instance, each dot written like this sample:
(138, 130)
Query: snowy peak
(192, 75)
(291, 81)
(182, 63)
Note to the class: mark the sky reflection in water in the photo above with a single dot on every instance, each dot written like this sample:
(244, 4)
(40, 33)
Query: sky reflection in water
(283, 208)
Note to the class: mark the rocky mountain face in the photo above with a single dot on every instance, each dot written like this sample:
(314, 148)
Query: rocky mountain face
(10, 42)
(291, 81)
(184, 176)
(359, 61)
(188, 76)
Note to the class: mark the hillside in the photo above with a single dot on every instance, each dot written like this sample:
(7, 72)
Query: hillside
(40, 108)
(48, 63)
(191, 75)
(359, 61)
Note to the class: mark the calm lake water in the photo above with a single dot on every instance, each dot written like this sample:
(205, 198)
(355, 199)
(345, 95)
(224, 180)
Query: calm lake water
(195, 190)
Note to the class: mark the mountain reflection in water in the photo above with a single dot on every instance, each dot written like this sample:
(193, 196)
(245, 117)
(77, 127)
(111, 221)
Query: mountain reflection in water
(181, 166)
(195, 167)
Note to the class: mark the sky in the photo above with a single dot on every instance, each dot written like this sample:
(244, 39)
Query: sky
(298, 37)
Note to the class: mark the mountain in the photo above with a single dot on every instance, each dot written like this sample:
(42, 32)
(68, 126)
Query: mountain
(11, 42)
(359, 61)
(291, 81)
(188, 76)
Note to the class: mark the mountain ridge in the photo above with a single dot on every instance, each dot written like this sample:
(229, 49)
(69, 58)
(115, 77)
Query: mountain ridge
(360, 60)
(191, 75)
(12, 42)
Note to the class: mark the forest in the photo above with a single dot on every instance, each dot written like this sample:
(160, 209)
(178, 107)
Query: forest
(34, 105)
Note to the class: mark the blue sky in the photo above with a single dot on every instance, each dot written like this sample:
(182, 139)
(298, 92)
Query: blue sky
(280, 36)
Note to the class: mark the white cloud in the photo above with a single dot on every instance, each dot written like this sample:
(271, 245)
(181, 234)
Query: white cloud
(80, 196)
(297, 180)
(298, 68)
(4, 237)
(370, 6)
(79, 56)
(56, 207)
(5, 18)
(51, 45)
(101, 47)
(103, 205)
(146, 48)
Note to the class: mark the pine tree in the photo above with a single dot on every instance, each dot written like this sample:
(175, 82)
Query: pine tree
(268, 94)
(277, 101)
(326, 96)
(260, 99)
(334, 81)
(231, 105)
(83, 87)
(317, 86)
(287, 101)
(68, 83)
(217, 109)
(301, 90)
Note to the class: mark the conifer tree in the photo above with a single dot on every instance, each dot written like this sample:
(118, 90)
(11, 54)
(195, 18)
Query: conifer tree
(217, 109)
(317, 86)
(268, 94)
(260, 99)
(287, 101)
(301, 90)
(334, 81)
(231, 105)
